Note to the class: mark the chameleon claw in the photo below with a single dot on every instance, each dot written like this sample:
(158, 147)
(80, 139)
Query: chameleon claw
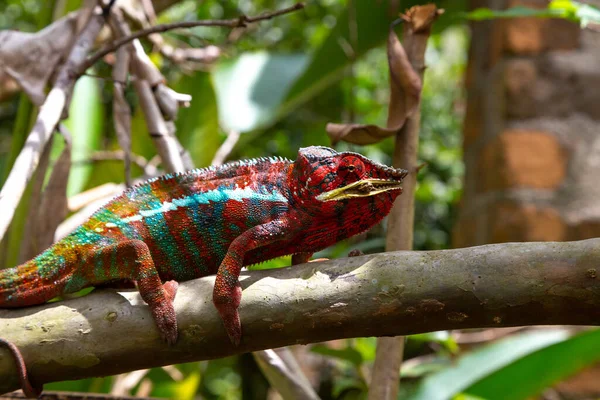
(235, 335)
(231, 321)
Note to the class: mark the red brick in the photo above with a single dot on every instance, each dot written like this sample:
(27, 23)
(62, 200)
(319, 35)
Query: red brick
(515, 222)
(536, 35)
(585, 230)
(522, 159)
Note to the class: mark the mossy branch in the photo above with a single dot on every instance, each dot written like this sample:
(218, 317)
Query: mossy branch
(398, 293)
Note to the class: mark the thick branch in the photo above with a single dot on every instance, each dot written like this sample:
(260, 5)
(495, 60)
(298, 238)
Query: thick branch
(396, 293)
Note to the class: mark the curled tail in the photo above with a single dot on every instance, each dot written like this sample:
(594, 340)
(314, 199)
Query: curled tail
(20, 286)
(34, 282)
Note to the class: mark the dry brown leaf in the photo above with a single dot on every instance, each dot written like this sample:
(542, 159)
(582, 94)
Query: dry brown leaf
(421, 18)
(31, 58)
(405, 90)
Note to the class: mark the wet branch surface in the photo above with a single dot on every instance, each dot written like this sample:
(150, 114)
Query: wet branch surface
(388, 294)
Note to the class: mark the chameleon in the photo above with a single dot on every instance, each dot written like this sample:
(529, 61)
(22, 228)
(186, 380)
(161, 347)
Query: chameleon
(187, 225)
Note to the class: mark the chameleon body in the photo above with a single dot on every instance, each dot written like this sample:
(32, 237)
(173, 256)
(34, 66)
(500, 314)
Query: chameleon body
(212, 220)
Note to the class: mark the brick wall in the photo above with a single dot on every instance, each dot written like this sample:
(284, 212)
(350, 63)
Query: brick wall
(531, 132)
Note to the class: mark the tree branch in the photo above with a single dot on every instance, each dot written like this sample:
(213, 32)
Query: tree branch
(393, 294)
(231, 23)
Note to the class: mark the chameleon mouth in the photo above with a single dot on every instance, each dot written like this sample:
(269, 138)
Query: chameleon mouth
(362, 188)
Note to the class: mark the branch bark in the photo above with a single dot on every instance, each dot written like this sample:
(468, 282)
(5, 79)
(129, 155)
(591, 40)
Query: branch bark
(387, 294)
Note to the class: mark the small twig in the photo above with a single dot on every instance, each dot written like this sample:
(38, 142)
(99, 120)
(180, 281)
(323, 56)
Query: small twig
(106, 9)
(119, 155)
(231, 23)
(223, 152)
(83, 199)
(103, 78)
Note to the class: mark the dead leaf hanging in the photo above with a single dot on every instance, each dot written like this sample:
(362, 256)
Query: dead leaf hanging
(405, 91)
(31, 58)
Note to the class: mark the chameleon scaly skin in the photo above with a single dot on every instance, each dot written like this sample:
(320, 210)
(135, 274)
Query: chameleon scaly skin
(213, 220)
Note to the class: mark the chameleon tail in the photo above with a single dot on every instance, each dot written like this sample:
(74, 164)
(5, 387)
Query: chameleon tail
(34, 282)
(30, 390)
(23, 286)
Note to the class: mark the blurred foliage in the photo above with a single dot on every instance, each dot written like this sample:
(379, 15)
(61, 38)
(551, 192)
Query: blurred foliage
(582, 13)
(279, 84)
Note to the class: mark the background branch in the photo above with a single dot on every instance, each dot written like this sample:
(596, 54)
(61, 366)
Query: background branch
(231, 23)
(395, 293)
(48, 116)
(390, 351)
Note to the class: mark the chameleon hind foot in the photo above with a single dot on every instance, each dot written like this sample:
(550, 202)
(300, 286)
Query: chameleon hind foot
(30, 390)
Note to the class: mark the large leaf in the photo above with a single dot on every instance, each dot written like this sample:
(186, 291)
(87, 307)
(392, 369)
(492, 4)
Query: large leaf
(86, 123)
(251, 88)
(532, 374)
(483, 362)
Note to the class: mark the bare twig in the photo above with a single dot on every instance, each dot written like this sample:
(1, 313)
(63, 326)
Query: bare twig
(226, 148)
(80, 200)
(119, 155)
(390, 351)
(283, 373)
(48, 116)
(121, 109)
(165, 143)
(231, 23)
(521, 283)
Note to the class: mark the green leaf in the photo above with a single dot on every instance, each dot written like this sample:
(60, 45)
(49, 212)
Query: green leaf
(480, 14)
(348, 354)
(522, 379)
(418, 370)
(441, 337)
(86, 123)
(581, 13)
(584, 13)
(483, 362)
(466, 396)
(327, 63)
(198, 126)
(251, 88)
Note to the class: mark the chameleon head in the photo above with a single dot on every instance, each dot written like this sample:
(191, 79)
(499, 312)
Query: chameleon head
(328, 179)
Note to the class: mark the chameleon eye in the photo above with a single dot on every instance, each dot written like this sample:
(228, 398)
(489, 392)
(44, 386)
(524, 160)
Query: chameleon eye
(352, 165)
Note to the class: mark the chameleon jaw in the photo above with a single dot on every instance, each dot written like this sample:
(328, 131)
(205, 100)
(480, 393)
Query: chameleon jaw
(362, 188)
